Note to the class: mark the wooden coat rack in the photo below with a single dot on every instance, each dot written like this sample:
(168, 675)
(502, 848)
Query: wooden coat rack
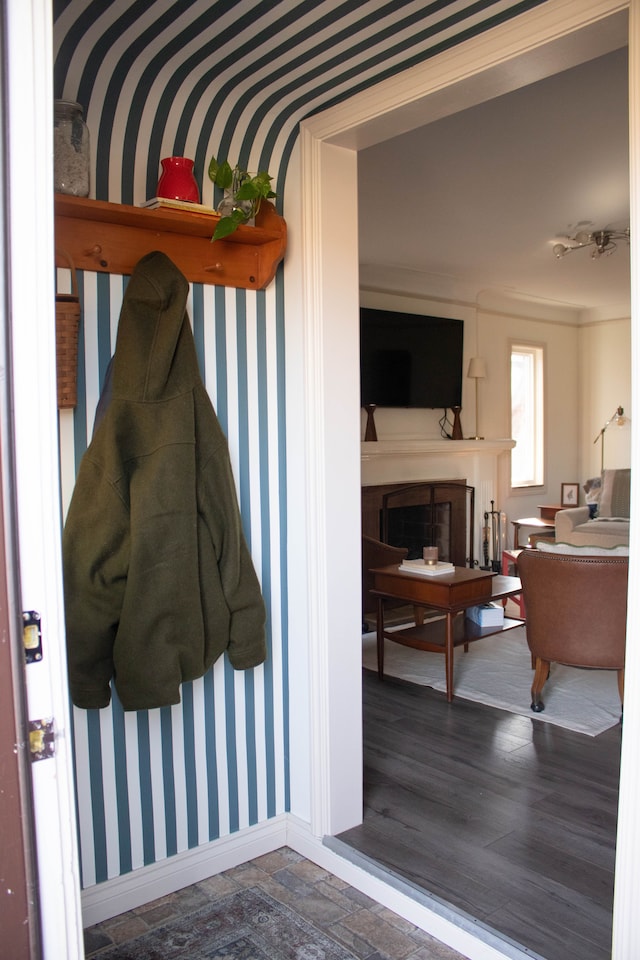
(111, 238)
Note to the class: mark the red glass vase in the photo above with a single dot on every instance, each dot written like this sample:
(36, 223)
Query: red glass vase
(177, 181)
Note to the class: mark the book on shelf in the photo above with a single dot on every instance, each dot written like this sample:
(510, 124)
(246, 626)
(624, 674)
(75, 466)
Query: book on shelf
(426, 569)
(486, 614)
(164, 203)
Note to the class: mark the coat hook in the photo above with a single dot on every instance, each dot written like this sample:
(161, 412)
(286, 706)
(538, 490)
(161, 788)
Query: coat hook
(95, 252)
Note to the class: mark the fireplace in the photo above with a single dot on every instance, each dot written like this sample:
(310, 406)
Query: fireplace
(414, 516)
(402, 462)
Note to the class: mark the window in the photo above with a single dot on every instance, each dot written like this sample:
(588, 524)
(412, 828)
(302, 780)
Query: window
(527, 415)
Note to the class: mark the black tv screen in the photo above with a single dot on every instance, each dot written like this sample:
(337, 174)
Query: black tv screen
(409, 360)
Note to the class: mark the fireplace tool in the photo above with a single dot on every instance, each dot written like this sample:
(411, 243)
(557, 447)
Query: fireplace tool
(493, 534)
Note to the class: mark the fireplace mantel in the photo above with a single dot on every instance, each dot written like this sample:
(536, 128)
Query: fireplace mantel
(388, 461)
(372, 450)
(484, 464)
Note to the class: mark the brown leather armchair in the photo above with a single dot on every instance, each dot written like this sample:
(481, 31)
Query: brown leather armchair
(576, 609)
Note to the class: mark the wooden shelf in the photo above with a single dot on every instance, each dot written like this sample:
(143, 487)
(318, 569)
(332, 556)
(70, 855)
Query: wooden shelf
(431, 636)
(112, 237)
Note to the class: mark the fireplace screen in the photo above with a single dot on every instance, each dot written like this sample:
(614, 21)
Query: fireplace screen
(431, 515)
(415, 527)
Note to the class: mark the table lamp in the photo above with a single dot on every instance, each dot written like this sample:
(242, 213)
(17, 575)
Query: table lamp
(477, 371)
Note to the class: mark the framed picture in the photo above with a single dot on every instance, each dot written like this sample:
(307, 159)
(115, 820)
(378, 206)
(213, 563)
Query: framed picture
(569, 494)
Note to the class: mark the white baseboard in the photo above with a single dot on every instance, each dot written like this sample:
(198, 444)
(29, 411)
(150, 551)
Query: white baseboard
(113, 897)
(108, 899)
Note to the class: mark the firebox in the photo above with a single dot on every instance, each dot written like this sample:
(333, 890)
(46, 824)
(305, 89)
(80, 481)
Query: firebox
(417, 515)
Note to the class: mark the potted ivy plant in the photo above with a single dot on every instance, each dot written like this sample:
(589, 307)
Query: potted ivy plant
(243, 195)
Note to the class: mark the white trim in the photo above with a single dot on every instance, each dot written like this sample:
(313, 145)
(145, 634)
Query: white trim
(117, 896)
(31, 271)
(332, 432)
(476, 70)
(626, 917)
(554, 33)
(131, 890)
(316, 499)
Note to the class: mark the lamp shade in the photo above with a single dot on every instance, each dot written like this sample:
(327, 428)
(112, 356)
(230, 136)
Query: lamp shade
(477, 368)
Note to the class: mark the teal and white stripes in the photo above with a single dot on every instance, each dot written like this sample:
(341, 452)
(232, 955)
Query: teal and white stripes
(160, 782)
(227, 78)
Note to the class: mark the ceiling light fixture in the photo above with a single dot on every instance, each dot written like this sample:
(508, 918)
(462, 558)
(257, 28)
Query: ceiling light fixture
(602, 241)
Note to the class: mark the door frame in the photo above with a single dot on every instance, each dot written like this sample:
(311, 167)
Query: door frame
(541, 42)
(34, 480)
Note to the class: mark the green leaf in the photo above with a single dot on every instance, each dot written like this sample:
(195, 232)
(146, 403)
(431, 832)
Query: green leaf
(220, 173)
(224, 176)
(213, 169)
(248, 191)
(263, 184)
(228, 225)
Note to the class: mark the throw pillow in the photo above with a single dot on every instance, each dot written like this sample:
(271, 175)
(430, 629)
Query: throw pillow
(586, 551)
(592, 489)
(615, 495)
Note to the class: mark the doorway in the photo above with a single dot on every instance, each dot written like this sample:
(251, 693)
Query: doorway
(329, 144)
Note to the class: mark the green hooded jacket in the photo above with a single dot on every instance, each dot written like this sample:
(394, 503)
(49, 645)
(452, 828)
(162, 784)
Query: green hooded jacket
(158, 579)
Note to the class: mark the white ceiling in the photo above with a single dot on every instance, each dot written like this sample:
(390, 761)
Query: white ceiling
(482, 195)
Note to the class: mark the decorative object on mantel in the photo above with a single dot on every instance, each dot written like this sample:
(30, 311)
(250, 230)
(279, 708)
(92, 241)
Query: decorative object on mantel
(603, 241)
(70, 149)
(177, 181)
(370, 431)
(618, 420)
(243, 195)
(67, 328)
(477, 371)
(456, 433)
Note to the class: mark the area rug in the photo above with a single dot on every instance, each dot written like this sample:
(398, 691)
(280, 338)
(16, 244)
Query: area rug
(248, 925)
(497, 671)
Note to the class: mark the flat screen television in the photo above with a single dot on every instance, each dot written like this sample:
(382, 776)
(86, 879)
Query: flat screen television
(410, 360)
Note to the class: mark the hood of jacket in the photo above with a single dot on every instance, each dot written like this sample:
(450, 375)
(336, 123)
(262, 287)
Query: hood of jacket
(155, 355)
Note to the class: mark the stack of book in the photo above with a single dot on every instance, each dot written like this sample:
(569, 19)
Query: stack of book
(427, 569)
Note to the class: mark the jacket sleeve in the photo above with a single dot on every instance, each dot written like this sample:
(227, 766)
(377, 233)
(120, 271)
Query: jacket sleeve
(239, 582)
(95, 550)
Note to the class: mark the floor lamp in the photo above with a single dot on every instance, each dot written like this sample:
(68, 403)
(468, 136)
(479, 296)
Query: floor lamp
(618, 419)
(477, 371)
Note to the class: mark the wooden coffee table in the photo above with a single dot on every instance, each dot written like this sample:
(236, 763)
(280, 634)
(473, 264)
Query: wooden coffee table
(450, 593)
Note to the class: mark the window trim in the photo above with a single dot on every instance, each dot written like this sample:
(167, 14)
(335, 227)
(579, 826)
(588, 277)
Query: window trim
(538, 349)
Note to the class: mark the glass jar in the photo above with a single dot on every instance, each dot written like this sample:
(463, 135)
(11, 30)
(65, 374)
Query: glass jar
(71, 149)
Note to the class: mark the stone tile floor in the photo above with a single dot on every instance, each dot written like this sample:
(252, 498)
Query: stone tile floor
(369, 930)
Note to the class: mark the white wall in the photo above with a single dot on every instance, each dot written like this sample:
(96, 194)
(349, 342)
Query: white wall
(559, 340)
(605, 384)
(492, 322)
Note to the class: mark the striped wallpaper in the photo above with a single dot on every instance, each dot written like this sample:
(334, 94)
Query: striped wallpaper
(227, 78)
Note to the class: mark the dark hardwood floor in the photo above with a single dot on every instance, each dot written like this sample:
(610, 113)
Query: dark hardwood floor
(509, 819)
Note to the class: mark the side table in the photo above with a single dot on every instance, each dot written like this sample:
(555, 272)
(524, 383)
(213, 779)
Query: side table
(509, 560)
(535, 522)
(451, 593)
(548, 511)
